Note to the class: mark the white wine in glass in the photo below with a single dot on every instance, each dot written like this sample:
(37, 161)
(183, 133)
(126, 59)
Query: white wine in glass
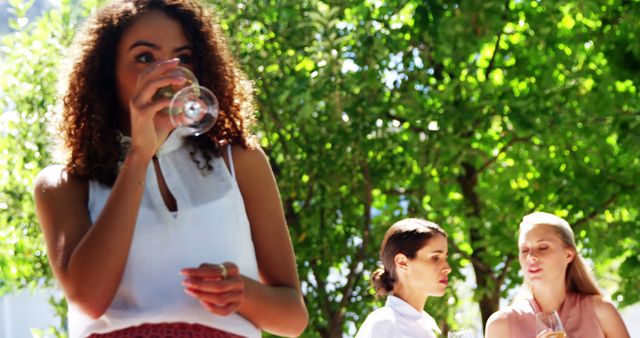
(549, 325)
(192, 107)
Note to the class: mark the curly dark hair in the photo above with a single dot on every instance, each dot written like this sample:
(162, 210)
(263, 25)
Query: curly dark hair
(88, 123)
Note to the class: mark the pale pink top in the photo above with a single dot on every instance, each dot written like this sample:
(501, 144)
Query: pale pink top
(576, 312)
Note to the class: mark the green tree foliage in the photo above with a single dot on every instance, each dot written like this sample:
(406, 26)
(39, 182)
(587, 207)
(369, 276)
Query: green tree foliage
(27, 83)
(469, 113)
(30, 60)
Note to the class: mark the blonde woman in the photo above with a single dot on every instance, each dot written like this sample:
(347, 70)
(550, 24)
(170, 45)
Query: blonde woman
(414, 254)
(558, 279)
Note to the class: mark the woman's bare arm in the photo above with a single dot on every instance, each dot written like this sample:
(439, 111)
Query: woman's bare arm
(275, 303)
(280, 292)
(88, 260)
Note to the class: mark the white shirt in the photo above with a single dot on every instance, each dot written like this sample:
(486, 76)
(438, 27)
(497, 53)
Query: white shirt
(398, 319)
(210, 225)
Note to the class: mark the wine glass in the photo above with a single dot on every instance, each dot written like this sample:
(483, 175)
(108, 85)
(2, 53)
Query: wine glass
(549, 325)
(460, 334)
(193, 107)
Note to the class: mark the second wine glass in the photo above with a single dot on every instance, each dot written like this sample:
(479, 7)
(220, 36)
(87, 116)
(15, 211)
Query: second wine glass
(549, 325)
(460, 334)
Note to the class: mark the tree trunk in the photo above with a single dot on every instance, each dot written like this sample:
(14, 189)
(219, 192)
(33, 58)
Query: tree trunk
(485, 279)
(489, 302)
(334, 325)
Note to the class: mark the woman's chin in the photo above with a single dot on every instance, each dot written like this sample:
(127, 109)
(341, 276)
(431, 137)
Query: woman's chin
(537, 282)
(439, 292)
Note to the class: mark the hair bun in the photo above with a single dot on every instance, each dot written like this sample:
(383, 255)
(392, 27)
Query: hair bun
(382, 282)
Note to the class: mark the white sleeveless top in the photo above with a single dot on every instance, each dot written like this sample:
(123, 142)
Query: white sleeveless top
(210, 226)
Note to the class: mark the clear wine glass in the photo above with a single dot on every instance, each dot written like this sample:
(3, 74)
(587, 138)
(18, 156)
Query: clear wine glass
(460, 334)
(193, 107)
(549, 325)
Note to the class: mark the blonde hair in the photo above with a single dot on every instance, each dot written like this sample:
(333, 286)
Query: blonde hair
(578, 278)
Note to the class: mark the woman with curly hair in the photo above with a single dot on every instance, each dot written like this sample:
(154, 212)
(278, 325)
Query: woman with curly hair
(151, 232)
(414, 256)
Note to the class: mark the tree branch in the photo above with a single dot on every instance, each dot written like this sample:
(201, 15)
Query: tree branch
(595, 212)
(354, 275)
(505, 271)
(324, 300)
(497, 46)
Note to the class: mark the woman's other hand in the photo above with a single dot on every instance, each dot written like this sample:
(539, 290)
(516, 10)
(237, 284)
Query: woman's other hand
(219, 287)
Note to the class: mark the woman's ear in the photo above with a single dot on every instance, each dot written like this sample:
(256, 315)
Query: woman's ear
(400, 261)
(571, 255)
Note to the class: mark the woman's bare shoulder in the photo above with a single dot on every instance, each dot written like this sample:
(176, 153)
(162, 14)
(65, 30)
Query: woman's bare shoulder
(498, 324)
(51, 177)
(248, 156)
(603, 306)
(609, 317)
(55, 177)
(501, 316)
(54, 185)
(250, 164)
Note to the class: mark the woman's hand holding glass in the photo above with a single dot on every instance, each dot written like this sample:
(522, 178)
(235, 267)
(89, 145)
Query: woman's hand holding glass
(549, 325)
(149, 127)
(169, 96)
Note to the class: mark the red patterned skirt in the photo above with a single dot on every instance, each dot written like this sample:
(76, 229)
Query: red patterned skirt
(168, 330)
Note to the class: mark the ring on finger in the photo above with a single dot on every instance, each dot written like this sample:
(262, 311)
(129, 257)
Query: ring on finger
(223, 271)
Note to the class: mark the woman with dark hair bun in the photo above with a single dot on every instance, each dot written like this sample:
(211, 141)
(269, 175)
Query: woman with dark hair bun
(414, 257)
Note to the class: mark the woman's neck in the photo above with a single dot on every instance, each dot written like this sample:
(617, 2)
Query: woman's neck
(413, 298)
(124, 123)
(550, 297)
